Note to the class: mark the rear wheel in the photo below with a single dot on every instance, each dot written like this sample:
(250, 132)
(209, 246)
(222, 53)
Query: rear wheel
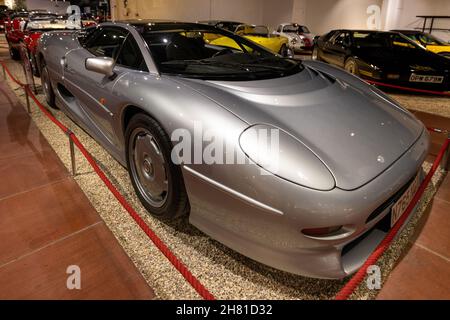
(14, 53)
(352, 67)
(158, 182)
(47, 87)
(34, 65)
(315, 54)
(284, 51)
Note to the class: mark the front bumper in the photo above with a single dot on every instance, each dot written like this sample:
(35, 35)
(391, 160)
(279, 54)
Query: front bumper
(271, 233)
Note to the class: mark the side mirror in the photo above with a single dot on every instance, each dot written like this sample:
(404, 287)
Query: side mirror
(103, 65)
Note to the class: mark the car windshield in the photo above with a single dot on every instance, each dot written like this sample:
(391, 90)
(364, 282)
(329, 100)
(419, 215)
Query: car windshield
(427, 39)
(290, 29)
(43, 17)
(383, 40)
(261, 31)
(213, 54)
(303, 29)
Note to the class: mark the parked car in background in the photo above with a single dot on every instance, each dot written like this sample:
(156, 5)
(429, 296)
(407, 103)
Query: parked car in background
(258, 34)
(428, 41)
(262, 36)
(300, 38)
(226, 25)
(131, 85)
(88, 20)
(388, 57)
(3, 19)
(14, 15)
(27, 31)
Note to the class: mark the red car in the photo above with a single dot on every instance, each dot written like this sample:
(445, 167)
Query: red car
(27, 31)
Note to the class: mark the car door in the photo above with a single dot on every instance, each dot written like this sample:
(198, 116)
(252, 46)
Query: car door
(338, 48)
(93, 101)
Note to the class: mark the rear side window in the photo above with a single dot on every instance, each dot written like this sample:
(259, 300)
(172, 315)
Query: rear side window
(130, 55)
(106, 42)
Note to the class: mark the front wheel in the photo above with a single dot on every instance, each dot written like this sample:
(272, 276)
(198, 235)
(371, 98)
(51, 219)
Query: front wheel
(47, 87)
(14, 53)
(351, 66)
(315, 54)
(284, 51)
(158, 182)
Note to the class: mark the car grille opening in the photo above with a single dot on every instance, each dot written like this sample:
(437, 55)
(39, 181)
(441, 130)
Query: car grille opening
(389, 202)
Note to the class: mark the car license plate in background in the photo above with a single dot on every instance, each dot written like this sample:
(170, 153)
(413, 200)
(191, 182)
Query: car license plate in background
(400, 206)
(427, 79)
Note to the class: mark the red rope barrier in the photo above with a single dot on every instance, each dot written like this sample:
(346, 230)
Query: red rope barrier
(190, 278)
(350, 287)
(447, 94)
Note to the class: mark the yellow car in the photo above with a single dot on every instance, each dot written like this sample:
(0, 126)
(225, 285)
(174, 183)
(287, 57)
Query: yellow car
(260, 35)
(428, 41)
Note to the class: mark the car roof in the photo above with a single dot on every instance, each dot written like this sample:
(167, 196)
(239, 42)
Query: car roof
(408, 31)
(218, 21)
(160, 25)
(366, 31)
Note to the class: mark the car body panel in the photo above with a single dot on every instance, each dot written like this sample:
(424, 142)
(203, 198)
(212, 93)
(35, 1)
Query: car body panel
(259, 215)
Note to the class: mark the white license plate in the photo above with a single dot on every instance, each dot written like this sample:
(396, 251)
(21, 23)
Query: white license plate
(427, 79)
(400, 206)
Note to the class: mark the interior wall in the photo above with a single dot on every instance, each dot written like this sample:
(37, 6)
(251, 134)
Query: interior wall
(401, 14)
(276, 12)
(325, 15)
(320, 16)
(249, 11)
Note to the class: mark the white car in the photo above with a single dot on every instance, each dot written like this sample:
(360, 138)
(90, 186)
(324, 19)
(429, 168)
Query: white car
(300, 38)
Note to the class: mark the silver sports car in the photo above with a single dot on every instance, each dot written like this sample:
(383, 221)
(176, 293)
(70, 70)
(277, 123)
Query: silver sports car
(155, 94)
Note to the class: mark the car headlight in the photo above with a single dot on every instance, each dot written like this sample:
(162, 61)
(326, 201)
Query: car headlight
(279, 153)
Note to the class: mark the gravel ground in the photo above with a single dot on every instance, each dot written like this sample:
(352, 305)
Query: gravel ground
(435, 105)
(227, 274)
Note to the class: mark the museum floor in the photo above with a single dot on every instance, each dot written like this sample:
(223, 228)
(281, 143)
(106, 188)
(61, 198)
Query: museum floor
(49, 220)
(47, 224)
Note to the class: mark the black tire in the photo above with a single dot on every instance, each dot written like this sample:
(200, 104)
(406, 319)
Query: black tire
(351, 66)
(47, 87)
(14, 53)
(172, 202)
(315, 54)
(34, 65)
(284, 51)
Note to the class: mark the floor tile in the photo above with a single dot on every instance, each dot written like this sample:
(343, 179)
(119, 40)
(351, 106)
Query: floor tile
(29, 171)
(433, 230)
(419, 275)
(106, 272)
(34, 219)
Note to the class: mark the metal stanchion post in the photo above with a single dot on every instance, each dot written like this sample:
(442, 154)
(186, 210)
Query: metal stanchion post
(446, 160)
(72, 153)
(25, 89)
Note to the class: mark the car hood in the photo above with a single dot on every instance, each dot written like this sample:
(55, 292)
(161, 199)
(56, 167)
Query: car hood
(355, 131)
